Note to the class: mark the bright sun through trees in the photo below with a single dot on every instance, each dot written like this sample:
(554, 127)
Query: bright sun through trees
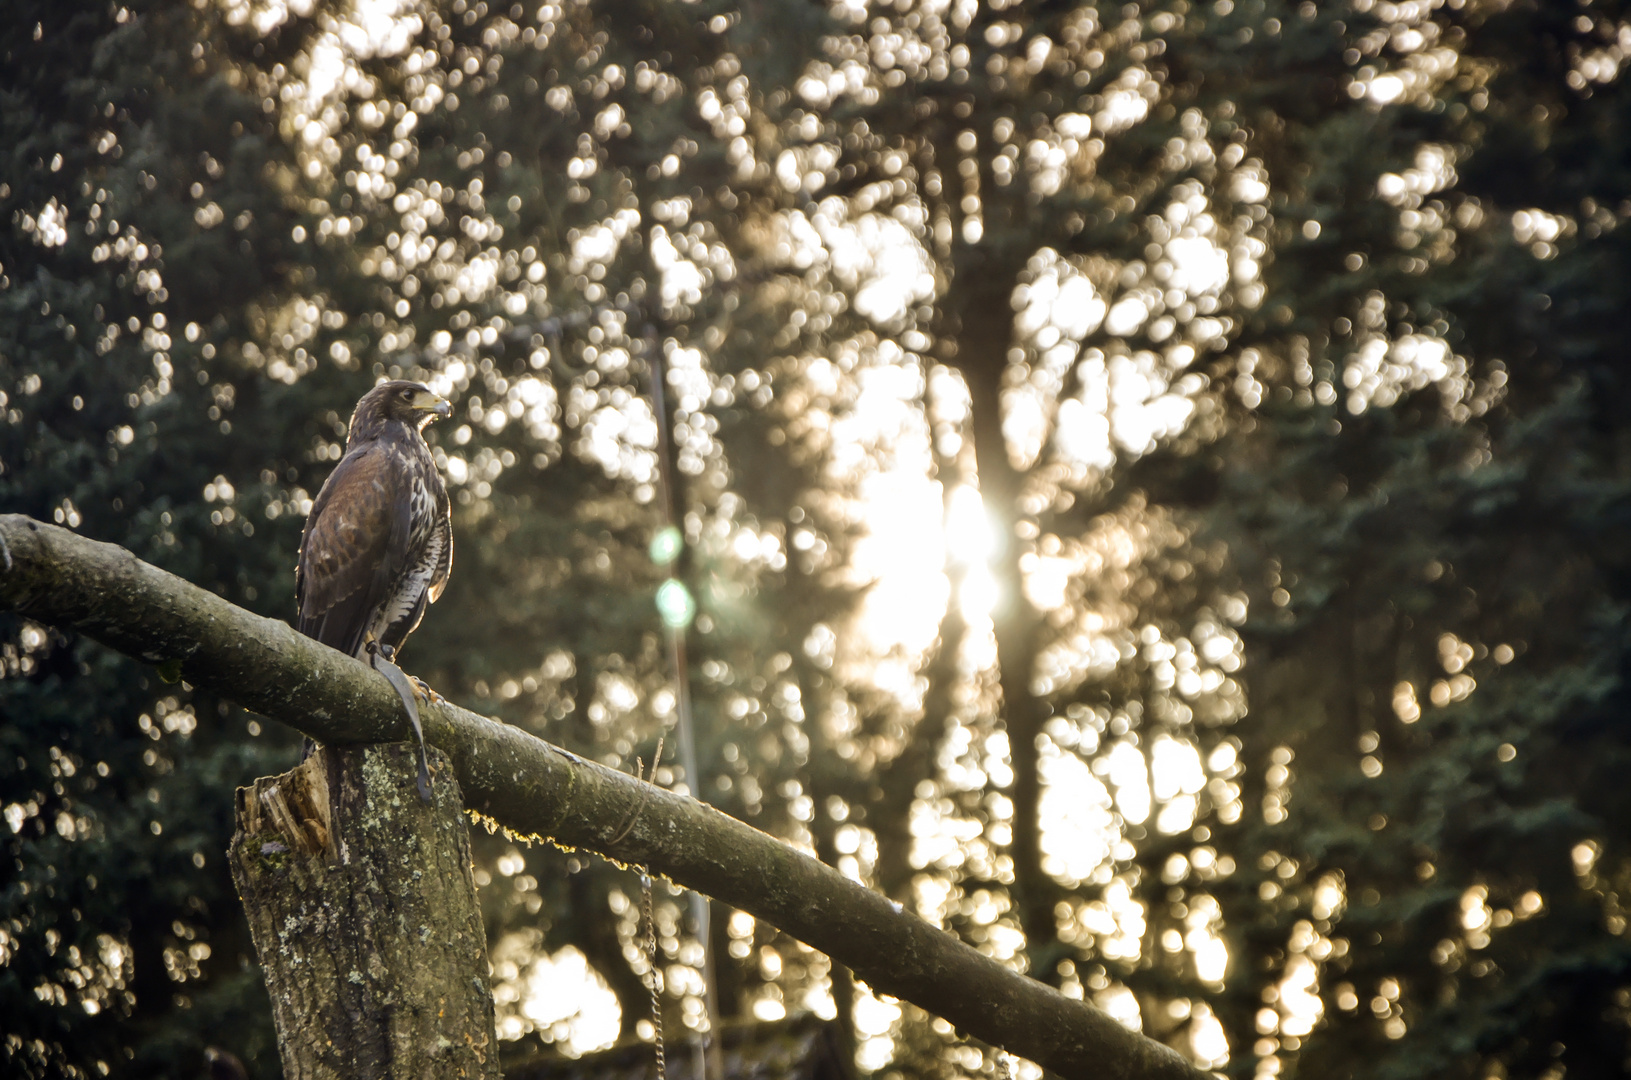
(1139, 485)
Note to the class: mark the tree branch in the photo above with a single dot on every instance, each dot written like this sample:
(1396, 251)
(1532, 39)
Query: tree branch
(536, 789)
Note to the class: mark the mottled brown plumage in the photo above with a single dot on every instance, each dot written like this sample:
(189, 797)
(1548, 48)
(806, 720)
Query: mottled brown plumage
(378, 545)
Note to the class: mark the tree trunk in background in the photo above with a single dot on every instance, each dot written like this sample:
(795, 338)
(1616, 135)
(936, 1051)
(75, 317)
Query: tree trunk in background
(841, 978)
(363, 908)
(980, 301)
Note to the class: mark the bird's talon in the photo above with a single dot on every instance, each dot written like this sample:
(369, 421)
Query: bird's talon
(424, 692)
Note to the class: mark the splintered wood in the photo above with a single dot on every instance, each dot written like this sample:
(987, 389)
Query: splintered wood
(362, 904)
(293, 806)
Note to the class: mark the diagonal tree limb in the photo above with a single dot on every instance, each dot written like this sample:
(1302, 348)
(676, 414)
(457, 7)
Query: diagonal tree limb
(533, 788)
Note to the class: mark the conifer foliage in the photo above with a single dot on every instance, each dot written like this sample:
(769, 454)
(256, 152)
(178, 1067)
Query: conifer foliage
(1275, 345)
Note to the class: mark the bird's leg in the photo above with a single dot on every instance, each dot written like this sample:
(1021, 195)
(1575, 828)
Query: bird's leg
(379, 652)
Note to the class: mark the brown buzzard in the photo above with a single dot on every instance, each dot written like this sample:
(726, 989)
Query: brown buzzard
(378, 545)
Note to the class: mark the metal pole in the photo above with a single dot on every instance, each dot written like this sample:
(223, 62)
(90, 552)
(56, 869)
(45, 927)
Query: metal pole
(709, 1059)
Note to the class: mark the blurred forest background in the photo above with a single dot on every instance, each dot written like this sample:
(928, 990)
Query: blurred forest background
(1153, 480)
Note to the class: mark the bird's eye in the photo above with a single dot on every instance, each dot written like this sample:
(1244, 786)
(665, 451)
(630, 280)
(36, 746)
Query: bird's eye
(407, 395)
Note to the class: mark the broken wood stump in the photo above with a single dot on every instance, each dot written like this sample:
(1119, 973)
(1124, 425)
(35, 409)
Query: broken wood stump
(362, 904)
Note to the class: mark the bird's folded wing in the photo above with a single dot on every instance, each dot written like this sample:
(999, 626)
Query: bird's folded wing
(354, 547)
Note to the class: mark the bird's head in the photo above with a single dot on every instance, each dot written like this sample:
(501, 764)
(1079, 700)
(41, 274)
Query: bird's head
(410, 403)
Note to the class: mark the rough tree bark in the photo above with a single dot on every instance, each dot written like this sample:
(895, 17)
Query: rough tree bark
(535, 789)
(362, 904)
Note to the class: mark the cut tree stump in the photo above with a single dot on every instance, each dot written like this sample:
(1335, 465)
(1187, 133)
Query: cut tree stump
(362, 905)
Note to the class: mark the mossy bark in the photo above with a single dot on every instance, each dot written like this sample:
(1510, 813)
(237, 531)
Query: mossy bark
(362, 904)
(536, 789)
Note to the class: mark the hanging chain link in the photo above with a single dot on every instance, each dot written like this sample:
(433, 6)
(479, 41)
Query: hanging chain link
(648, 912)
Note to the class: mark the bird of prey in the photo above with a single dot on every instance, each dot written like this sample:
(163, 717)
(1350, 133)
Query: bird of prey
(378, 545)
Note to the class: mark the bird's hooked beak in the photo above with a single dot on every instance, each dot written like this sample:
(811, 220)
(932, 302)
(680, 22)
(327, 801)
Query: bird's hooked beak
(437, 406)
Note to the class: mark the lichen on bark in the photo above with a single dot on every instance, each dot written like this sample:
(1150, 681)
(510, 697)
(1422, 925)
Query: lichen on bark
(534, 788)
(362, 904)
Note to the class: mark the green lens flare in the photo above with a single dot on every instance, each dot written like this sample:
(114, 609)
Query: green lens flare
(666, 546)
(675, 605)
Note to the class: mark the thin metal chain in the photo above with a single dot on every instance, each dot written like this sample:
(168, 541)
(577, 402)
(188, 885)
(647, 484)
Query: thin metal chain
(652, 976)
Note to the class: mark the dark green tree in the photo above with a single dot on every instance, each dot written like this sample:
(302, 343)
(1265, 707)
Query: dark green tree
(1279, 340)
(141, 233)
